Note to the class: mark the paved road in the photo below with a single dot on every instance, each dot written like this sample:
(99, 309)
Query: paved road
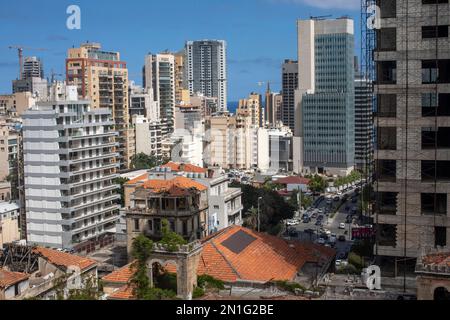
(332, 224)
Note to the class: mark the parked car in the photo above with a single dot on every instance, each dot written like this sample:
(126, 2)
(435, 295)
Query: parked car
(341, 238)
(321, 241)
(342, 225)
(337, 198)
(332, 238)
(307, 220)
(318, 223)
(349, 219)
(292, 222)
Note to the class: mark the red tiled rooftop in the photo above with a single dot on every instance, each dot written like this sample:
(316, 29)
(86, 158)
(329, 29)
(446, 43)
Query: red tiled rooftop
(63, 259)
(293, 180)
(266, 258)
(9, 278)
(123, 293)
(122, 275)
(175, 185)
(184, 167)
(140, 178)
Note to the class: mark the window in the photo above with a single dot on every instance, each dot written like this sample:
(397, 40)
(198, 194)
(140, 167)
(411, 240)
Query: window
(386, 105)
(440, 236)
(387, 170)
(435, 170)
(434, 104)
(387, 39)
(387, 234)
(434, 32)
(387, 72)
(433, 203)
(136, 224)
(185, 231)
(436, 71)
(434, 1)
(388, 8)
(150, 225)
(435, 139)
(387, 202)
(387, 138)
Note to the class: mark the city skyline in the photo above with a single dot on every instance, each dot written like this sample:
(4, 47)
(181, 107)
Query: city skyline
(250, 61)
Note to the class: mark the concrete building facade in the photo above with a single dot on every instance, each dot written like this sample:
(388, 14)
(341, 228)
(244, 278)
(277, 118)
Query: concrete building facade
(412, 126)
(206, 69)
(69, 168)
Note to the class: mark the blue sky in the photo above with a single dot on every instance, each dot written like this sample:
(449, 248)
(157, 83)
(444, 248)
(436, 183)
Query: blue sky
(260, 33)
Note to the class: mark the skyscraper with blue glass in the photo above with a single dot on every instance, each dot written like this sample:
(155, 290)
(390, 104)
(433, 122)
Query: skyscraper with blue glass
(324, 101)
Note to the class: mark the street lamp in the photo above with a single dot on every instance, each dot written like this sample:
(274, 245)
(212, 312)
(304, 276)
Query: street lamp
(259, 220)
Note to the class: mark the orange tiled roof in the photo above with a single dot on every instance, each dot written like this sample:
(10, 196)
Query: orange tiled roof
(173, 185)
(266, 258)
(63, 259)
(185, 167)
(9, 278)
(124, 293)
(140, 178)
(122, 275)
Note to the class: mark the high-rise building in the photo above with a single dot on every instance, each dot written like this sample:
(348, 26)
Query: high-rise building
(364, 133)
(273, 107)
(32, 68)
(159, 76)
(412, 132)
(325, 99)
(102, 77)
(32, 79)
(206, 69)
(148, 136)
(180, 79)
(69, 169)
(289, 85)
(142, 103)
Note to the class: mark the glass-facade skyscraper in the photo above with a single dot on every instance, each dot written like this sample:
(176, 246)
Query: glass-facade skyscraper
(325, 98)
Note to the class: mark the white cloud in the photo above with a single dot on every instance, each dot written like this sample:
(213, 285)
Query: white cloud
(326, 4)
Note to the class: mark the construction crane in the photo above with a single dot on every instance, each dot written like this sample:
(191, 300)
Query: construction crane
(20, 53)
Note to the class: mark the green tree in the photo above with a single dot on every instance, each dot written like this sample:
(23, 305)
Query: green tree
(121, 181)
(144, 161)
(141, 250)
(170, 238)
(273, 208)
(317, 184)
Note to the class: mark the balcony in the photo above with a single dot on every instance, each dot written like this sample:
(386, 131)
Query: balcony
(83, 205)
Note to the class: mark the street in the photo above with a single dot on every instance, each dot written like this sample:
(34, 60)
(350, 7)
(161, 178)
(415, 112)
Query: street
(313, 231)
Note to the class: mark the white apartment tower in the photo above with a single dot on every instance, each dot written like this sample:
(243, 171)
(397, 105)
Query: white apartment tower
(70, 164)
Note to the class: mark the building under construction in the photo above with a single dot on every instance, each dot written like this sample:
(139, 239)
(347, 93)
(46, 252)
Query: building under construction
(406, 51)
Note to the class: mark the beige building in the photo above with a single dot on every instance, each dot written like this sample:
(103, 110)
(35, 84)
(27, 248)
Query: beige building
(253, 108)
(9, 222)
(16, 104)
(9, 148)
(180, 89)
(102, 77)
